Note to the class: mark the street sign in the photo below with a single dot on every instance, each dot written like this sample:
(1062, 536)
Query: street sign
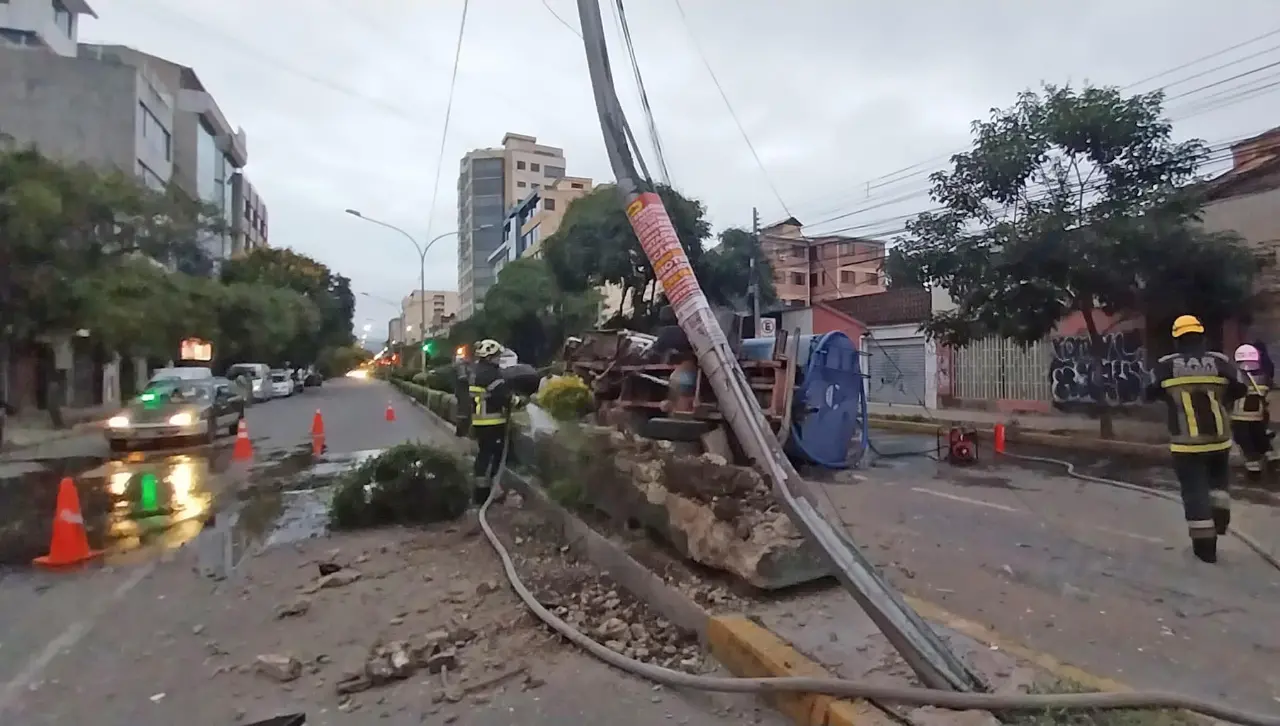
(196, 349)
(768, 327)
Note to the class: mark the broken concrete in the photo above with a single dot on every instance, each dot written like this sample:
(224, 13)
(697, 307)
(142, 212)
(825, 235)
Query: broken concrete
(713, 513)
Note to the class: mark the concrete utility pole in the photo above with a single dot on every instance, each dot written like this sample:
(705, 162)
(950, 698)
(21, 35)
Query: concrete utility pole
(926, 653)
(422, 273)
(754, 282)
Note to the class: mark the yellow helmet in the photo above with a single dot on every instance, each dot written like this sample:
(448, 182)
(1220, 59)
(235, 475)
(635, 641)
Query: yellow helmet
(1187, 324)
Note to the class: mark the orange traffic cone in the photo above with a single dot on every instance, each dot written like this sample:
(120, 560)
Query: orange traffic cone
(317, 424)
(244, 448)
(391, 413)
(69, 545)
(999, 438)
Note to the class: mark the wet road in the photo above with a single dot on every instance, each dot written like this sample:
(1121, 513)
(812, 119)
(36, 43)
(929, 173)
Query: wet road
(1099, 577)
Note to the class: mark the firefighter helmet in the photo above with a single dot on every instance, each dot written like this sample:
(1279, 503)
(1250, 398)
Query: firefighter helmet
(487, 348)
(1248, 358)
(1186, 324)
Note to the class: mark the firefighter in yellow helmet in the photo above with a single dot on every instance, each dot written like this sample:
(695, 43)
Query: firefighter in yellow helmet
(1199, 386)
(485, 404)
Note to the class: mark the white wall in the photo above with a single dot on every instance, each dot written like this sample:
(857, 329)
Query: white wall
(37, 16)
(908, 331)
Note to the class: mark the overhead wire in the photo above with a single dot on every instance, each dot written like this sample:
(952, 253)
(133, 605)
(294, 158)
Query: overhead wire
(448, 113)
(654, 138)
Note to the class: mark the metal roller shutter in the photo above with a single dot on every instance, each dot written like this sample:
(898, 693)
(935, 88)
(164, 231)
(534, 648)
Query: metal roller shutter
(896, 371)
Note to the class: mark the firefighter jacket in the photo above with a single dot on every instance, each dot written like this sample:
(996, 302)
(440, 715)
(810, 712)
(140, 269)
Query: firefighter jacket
(1252, 406)
(1198, 389)
(489, 394)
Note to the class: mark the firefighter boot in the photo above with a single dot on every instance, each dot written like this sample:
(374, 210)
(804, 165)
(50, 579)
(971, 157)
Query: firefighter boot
(480, 491)
(1253, 469)
(1205, 549)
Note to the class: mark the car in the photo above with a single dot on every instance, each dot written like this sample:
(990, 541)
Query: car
(177, 410)
(314, 378)
(257, 373)
(180, 373)
(281, 384)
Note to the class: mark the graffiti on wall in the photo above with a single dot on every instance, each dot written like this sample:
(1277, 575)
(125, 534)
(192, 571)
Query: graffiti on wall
(1120, 375)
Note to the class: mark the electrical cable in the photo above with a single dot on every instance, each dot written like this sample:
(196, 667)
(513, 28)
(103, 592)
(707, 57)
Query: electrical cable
(644, 94)
(448, 112)
(840, 687)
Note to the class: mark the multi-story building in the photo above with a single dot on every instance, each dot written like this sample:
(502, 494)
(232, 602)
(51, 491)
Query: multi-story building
(249, 216)
(808, 270)
(395, 331)
(436, 307)
(534, 218)
(51, 25)
(207, 151)
(88, 110)
(490, 182)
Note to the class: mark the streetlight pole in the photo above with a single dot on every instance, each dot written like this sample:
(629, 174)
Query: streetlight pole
(422, 269)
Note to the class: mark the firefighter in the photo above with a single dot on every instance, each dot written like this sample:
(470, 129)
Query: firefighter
(488, 400)
(1198, 386)
(1251, 417)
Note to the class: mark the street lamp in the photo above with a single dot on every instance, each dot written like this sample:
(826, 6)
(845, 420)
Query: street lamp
(422, 265)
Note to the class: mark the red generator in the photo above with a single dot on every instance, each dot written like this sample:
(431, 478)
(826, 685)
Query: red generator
(962, 445)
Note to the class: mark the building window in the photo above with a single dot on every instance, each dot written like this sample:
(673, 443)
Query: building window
(575, 185)
(555, 172)
(535, 166)
(520, 184)
(797, 278)
(149, 177)
(549, 205)
(846, 249)
(520, 165)
(813, 279)
(62, 17)
(536, 185)
(846, 277)
(870, 278)
(156, 135)
(797, 251)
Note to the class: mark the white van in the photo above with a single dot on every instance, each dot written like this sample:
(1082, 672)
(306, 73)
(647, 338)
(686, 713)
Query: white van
(258, 374)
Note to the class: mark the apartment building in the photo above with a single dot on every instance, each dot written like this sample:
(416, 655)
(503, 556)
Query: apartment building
(490, 182)
(249, 216)
(534, 218)
(207, 150)
(437, 307)
(50, 25)
(88, 110)
(809, 270)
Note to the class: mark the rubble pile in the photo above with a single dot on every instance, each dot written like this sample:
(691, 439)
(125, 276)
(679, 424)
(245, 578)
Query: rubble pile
(713, 513)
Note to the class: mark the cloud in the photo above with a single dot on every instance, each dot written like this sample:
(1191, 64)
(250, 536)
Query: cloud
(344, 101)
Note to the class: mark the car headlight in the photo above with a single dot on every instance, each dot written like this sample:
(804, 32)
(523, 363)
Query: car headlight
(180, 419)
(118, 422)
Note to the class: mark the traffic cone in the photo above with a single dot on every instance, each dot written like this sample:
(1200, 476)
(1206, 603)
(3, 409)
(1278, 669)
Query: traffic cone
(317, 424)
(69, 545)
(999, 438)
(244, 448)
(391, 412)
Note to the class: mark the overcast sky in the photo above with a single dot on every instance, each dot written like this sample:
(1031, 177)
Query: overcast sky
(344, 100)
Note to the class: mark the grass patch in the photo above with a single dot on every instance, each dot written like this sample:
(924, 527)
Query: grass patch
(1099, 717)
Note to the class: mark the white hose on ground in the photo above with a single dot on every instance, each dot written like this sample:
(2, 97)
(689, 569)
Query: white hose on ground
(854, 689)
(1249, 542)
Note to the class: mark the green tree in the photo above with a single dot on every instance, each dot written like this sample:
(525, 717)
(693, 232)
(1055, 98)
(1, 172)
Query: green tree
(528, 312)
(259, 322)
(329, 293)
(1072, 201)
(898, 272)
(595, 244)
(725, 270)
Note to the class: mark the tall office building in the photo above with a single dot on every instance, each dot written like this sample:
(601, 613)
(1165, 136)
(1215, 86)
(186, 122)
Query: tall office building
(490, 181)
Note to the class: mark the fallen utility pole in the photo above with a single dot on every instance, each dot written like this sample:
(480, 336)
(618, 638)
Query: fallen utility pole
(934, 664)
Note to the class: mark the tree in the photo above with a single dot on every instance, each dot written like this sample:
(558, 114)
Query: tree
(528, 312)
(595, 244)
(725, 270)
(259, 322)
(1072, 202)
(898, 272)
(329, 293)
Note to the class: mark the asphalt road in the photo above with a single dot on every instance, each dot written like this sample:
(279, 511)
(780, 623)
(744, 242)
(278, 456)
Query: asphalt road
(95, 647)
(1096, 576)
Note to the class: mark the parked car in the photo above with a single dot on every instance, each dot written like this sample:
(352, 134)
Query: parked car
(281, 384)
(313, 378)
(177, 410)
(180, 373)
(258, 374)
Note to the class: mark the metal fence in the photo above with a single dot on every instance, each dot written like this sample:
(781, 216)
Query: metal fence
(998, 368)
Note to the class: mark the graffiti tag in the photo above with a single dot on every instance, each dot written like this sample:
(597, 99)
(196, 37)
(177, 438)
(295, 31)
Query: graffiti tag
(1120, 375)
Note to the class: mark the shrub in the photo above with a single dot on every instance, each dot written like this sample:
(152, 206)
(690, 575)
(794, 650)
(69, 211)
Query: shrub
(441, 378)
(566, 398)
(407, 484)
(420, 378)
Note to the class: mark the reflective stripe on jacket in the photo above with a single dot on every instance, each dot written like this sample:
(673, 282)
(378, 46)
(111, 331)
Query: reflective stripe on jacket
(1253, 405)
(1197, 390)
(482, 411)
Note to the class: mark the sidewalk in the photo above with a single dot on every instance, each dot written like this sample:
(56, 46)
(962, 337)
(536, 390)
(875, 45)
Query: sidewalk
(1127, 429)
(35, 438)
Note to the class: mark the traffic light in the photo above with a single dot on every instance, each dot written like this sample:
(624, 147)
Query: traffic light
(429, 347)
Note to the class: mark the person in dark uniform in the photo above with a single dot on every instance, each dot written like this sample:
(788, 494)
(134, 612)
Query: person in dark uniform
(486, 401)
(1251, 416)
(1199, 387)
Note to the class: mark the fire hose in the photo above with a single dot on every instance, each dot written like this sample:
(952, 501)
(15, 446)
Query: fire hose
(856, 689)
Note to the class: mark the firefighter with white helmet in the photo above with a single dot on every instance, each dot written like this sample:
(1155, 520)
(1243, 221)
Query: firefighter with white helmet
(1199, 386)
(1251, 416)
(485, 401)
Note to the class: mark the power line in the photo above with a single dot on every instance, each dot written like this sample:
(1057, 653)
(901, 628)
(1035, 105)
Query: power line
(724, 97)
(1203, 58)
(448, 112)
(644, 95)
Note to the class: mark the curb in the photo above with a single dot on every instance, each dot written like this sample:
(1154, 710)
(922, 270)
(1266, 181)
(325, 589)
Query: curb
(1037, 438)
